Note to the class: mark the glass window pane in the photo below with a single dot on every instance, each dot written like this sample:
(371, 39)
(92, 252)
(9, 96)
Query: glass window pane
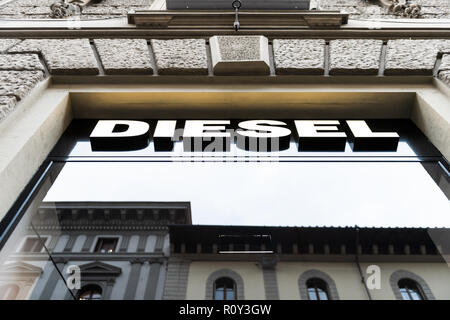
(39, 244)
(29, 244)
(106, 245)
(405, 294)
(219, 294)
(230, 294)
(322, 294)
(299, 188)
(415, 294)
(260, 189)
(312, 294)
(96, 296)
(90, 292)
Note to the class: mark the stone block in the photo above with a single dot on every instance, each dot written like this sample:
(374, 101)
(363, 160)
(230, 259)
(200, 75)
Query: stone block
(240, 55)
(124, 56)
(412, 57)
(19, 83)
(295, 56)
(20, 62)
(63, 56)
(7, 104)
(180, 56)
(355, 56)
(5, 44)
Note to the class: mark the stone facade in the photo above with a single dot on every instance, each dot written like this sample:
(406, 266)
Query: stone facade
(7, 104)
(18, 83)
(133, 268)
(62, 56)
(19, 74)
(124, 56)
(363, 9)
(180, 56)
(297, 56)
(7, 43)
(355, 56)
(21, 68)
(40, 9)
(189, 56)
(245, 55)
(406, 56)
(20, 62)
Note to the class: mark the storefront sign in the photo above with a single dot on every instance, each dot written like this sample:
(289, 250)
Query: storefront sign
(249, 135)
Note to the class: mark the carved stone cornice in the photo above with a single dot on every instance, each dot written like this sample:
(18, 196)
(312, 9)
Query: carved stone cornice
(66, 8)
(117, 216)
(59, 227)
(87, 256)
(63, 9)
(138, 260)
(19, 270)
(61, 260)
(403, 8)
(216, 19)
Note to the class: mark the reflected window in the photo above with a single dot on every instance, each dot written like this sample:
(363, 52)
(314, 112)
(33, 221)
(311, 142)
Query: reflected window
(90, 292)
(224, 289)
(33, 244)
(9, 292)
(317, 289)
(410, 290)
(106, 245)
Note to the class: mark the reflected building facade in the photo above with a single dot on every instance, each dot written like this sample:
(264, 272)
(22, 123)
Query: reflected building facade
(310, 263)
(119, 249)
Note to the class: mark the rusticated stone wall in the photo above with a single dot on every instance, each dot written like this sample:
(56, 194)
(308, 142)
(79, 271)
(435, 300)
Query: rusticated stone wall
(180, 56)
(24, 63)
(40, 9)
(371, 9)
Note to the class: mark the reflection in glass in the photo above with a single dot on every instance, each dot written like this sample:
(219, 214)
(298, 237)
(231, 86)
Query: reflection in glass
(34, 244)
(410, 290)
(9, 292)
(224, 289)
(106, 245)
(367, 194)
(123, 209)
(317, 289)
(51, 238)
(90, 292)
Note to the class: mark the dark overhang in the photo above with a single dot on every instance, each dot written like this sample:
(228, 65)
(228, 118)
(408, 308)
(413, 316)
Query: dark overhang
(115, 215)
(196, 239)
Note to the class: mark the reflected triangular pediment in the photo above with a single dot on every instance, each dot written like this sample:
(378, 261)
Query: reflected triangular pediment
(20, 268)
(98, 267)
